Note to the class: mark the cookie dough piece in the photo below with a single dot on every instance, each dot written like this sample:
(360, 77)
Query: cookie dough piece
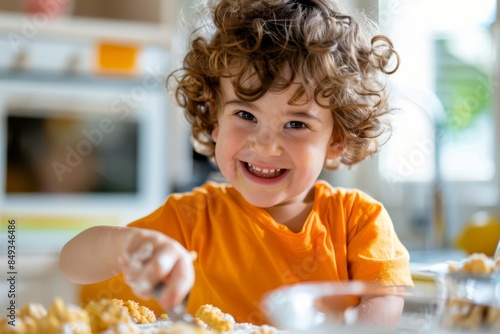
(214, 318)
(111, 317)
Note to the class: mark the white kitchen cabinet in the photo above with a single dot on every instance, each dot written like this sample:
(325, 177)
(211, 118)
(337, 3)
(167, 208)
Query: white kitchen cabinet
(150, 22)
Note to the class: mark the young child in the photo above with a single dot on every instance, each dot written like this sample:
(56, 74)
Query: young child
(277, 91)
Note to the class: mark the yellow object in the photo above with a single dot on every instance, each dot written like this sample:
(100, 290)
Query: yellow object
(215, 318)
(53, 222)
(480, 234)
(115, 287)
(139, 313)
(109, 315)
(117, 58)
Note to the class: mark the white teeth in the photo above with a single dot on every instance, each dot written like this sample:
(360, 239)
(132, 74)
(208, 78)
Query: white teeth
(264, 170)
(255, 168)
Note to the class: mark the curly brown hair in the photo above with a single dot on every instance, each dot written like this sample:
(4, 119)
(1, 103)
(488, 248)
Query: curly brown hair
(284, 41)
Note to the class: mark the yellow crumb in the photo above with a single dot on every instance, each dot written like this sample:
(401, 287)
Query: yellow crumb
(215, 318)
(32, 310)
(107, 314)
(465, 315)
(478, 263)
(140, 314)
(18, 328)
(62, 318)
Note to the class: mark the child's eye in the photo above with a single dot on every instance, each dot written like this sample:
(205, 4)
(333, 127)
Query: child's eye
(295, 125)
(246, 115)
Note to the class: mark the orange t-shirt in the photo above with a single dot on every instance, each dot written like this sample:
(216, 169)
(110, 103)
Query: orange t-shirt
(243, 253)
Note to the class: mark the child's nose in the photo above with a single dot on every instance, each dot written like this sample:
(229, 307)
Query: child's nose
(265, 143)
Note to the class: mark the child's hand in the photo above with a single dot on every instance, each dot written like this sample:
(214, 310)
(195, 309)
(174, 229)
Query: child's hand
(151, 258)
(146, 257)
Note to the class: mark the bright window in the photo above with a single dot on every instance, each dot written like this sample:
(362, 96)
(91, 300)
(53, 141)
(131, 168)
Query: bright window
(449, 55)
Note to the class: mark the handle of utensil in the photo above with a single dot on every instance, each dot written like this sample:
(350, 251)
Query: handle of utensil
(497, 252)
(158, 289)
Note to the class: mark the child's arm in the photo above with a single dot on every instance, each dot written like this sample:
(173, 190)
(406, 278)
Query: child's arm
(381, 311)
(146, 257)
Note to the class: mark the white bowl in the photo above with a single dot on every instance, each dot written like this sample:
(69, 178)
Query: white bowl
(323, 306)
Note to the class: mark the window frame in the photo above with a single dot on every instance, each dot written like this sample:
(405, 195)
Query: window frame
(460, 199)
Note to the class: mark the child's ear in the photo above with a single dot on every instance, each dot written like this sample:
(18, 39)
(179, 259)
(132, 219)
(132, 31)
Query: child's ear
(335, 148)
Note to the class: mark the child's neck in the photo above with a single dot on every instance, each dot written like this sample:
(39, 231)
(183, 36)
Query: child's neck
(293, 215)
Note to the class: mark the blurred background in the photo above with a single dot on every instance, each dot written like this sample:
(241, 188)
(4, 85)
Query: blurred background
(89, 136)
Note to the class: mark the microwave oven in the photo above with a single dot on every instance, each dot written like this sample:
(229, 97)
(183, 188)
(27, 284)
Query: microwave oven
(83, 146)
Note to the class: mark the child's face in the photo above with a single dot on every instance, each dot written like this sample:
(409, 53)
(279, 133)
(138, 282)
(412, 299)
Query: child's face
(270, 151)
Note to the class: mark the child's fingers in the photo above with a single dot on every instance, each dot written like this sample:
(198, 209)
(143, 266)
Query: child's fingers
(134, 267)
(171, 265)
(159, 265)
(153, 258)
(178, 283)
(144, 280)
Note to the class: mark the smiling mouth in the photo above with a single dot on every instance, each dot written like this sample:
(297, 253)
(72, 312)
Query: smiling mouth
(263, 172)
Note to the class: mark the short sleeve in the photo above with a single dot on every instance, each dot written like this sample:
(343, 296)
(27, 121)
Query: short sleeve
(374, 251)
